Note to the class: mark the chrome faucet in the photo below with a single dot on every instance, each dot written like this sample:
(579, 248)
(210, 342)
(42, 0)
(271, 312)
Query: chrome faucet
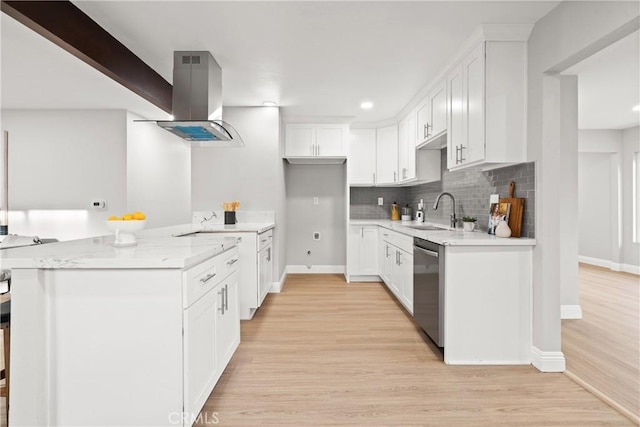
(453, 211)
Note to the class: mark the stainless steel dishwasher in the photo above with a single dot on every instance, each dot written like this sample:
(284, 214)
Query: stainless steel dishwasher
(428, 288)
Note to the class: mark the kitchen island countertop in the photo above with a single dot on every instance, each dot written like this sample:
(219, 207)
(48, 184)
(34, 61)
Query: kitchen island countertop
(155, 248)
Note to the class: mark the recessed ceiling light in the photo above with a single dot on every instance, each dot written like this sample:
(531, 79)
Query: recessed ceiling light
(367, 105)
(269, 104)
(636, 108)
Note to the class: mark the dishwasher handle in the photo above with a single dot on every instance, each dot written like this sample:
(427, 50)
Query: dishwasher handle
(426, 251)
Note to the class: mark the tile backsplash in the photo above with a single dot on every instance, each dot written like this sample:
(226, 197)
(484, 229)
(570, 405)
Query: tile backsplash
(471, 187)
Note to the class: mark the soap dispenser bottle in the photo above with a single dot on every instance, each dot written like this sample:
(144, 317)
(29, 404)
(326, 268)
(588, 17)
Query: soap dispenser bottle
(420, 211)
(395, 212)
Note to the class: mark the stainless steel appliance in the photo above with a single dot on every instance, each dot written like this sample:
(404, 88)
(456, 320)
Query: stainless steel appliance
(428, 288)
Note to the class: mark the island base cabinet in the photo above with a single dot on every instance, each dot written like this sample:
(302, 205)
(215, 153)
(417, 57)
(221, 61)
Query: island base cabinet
(119, 346)
(487, 305)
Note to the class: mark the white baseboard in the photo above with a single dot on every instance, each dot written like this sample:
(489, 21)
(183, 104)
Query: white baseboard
(614, 266)
(570, 312)
(355, 279)
(315, 269)
(547, 361)
(276, 287)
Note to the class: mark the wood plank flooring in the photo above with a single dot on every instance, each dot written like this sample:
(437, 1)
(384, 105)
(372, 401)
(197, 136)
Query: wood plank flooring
(603, 348)
(324, 352)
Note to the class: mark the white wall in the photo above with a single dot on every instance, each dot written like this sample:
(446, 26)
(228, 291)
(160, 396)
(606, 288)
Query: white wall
(158, 174)
(328, 183)
(631, 249)
(58, 161)
(562, 34)
(253, 174)
(594, 209)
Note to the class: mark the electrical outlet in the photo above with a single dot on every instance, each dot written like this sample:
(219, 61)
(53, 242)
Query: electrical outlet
(316, 235)
(494, 198)
(316, 201)
(99, 204)
(380, 201)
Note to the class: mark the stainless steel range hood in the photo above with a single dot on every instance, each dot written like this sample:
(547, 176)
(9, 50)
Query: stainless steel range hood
(197, 102)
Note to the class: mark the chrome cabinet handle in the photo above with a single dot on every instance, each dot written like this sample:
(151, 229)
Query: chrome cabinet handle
(386, 251)
(394, 176)
(428, 126)
(233, 261)
(207, 278)
(374, 177)
(424, 132)
(221, 293)
(226, 297)
(362, 232)
(268, 254)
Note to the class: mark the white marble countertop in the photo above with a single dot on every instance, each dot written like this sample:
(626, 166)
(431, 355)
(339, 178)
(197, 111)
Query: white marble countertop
(156, 248)
(447, 237)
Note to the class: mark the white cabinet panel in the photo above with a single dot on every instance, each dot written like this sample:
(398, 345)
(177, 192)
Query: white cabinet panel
(473, 113)
(387, 155)
(361, 164)
(363, 250)
(200, 351)
(316, 140)
(438, 101)
(227, 322)
(331, 140)
(455, 113)
(300, 140)
(265, 271)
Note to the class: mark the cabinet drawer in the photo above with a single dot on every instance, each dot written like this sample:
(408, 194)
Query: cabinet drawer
(228, 263)
(265, 239)
(399, 240)
(200, 279)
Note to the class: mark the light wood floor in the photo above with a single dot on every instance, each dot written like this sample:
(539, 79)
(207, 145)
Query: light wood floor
(326, 353)
(602, 348)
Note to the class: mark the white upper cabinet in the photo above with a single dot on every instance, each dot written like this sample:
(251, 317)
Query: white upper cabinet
(316, 143)
(361, 165)
(407, 148)
(432, 116)
(387, 155)
(487, 94)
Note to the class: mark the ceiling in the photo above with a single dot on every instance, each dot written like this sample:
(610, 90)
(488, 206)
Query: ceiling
(609, 86)
(312, 58)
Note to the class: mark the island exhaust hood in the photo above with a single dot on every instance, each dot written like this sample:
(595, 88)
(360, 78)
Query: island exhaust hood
(197, 102)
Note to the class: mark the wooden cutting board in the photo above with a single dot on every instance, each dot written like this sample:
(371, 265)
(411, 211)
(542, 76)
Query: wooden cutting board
(516, 212)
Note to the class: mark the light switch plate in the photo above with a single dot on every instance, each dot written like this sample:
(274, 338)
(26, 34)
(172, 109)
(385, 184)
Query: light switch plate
(316, 201)
(494, 198)
(380, 201)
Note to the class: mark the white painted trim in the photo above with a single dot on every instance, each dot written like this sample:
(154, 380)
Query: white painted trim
(598, 262)
(547, 361)
(316, 269)
(630, 268)
(614, 266)
(488, 362)
(356, 278)
(276, 287)
(570, 312)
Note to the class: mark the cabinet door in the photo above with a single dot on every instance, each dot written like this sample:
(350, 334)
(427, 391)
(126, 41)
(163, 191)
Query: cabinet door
(300, 140)
(395, 276)
(369, 251)
(438, 107)
(331, 140)
(424, 117)
(200, 351)
(361, 163)
(455, 112)
(265, 271)
(403, 150)
(473, 105)
(406, 279)
(387, 155)
(227, 322)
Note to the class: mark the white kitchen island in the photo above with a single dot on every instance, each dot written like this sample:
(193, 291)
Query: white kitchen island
(120, 336)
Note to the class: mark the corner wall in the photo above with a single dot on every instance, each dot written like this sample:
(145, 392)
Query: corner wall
(253, 175)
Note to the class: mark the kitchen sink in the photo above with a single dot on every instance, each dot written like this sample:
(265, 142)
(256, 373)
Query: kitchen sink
(429, 227)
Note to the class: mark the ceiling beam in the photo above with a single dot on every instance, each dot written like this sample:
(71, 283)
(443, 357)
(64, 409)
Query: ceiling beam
(64, 24)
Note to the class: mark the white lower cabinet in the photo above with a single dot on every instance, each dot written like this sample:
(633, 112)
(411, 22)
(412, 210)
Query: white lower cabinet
(265, 271)
(211, 326)
(397, 268)
(363, 251)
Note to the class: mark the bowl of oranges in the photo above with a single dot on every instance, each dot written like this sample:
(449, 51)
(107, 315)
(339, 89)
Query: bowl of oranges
(125, 226)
